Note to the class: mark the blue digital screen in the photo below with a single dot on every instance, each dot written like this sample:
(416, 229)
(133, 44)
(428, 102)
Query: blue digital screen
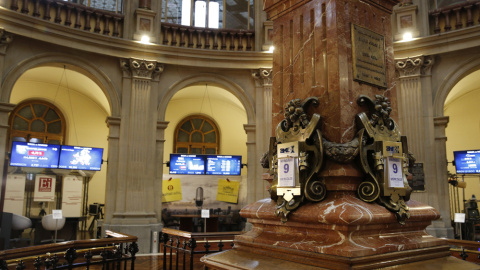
(80, 158)
(467, 162)
(187, 164)
(35, 155)
(224, 165)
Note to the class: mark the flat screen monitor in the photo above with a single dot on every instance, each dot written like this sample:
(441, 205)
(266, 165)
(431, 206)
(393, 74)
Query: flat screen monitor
(35, 155)
(80, 158)
(224, 165)
(467, 162)
(187, 164)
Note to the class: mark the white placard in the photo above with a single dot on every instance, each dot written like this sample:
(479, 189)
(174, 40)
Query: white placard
(394, 172)
(205, 213)
(57, 214)
(72, 195)
(44, 188)
(15, 194)
(459, 217)
(286, 172)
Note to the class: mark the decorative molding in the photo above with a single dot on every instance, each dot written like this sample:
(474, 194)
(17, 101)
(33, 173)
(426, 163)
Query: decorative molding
(263, 76)
(414, 66)
(141, 69)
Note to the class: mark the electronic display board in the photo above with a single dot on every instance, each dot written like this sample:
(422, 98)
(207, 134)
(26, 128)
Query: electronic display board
(35, 155)
(224, 165)
(187, 164)
(467, 162)
(80, 158)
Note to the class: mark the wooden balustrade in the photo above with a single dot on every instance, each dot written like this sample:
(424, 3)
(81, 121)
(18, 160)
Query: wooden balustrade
(65, 13)
(455, 17)
(465, 250)
(207, 38)
(185, 245)
(114, 251)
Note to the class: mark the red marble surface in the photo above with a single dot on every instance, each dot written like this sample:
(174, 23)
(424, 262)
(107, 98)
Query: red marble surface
(313, 57)
(342, 225)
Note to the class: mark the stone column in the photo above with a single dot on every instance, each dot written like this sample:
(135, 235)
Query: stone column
(113, 124)
(134, 210)
(440, 192)
(5, 110)
(263, 85)
(161, 126)
(252, 184)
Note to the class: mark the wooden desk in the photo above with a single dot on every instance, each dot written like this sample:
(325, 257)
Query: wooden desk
(67, 233)
(187, 222)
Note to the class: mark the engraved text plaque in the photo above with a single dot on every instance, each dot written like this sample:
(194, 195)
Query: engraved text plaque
(368, 50)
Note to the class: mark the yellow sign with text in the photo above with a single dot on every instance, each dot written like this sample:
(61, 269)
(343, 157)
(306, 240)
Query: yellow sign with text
(171, 190)
(227, 191)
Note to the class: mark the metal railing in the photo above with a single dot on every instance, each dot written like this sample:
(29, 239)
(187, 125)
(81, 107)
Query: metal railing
(114, 252)
(180, 247)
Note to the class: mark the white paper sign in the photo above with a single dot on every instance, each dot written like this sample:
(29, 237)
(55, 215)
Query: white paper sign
(57, 214)
(394, 172)
(286, 172)
(459, 217)
(14, 194)
(72, 195)
(205, 213)
(44, 188)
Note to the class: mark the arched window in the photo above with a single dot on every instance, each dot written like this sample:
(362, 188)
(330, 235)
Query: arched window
(38, 122)
(196, 135)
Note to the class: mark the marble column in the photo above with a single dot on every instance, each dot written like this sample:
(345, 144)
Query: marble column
(315, 55)
(131, 196)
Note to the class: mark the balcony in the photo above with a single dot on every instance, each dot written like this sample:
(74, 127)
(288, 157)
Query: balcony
(455, 17)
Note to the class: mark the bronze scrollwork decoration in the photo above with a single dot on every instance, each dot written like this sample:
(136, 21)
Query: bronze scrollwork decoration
(298, 149)
(384, 158)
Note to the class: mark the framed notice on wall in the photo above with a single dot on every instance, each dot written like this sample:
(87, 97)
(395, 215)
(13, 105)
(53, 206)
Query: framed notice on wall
(14, 194)
(44, 188)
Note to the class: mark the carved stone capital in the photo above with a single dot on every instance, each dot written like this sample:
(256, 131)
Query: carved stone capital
(263, 76)
(142, 69)
(414, 66)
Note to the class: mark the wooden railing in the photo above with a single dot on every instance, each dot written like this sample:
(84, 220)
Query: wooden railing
(455, 17)
(465, 250)
(72, 15)
(207, 38)
(180, 247)
(114, 252)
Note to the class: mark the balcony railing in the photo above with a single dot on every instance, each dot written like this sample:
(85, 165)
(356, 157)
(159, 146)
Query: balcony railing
(455, 17)
(207, 38)
(72, 15)
(117, 251)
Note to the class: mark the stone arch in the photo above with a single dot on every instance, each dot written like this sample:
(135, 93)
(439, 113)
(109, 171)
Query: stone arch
(75, 63)
(224, 82)
(450, 81)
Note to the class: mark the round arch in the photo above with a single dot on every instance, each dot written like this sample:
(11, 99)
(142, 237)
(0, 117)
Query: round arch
(223, 82)
(74, 63)
(450, 81)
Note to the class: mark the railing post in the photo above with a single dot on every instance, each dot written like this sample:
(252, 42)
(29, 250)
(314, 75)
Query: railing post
(192, 244)
(164, 241)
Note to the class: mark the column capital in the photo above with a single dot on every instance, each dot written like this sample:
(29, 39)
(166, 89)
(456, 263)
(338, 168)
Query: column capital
(414, 66)
(140, 68)
(263, 76)
(113, 121)
(162, 124)
(249, 128)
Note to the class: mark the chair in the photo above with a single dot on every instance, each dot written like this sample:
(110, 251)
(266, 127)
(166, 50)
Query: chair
(50, 224)
(12, 228)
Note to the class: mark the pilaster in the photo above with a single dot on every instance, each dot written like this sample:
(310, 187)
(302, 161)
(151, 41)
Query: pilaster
(252, 179)
(134, 210)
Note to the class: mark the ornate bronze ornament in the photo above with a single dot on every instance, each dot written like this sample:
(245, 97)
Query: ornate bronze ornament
(295, 157)
(384, 158)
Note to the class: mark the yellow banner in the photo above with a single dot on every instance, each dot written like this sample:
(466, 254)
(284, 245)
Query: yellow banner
(171, 190)
(227, 191)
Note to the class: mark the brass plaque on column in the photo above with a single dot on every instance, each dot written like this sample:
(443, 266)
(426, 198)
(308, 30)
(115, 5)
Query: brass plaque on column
(368, 49)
